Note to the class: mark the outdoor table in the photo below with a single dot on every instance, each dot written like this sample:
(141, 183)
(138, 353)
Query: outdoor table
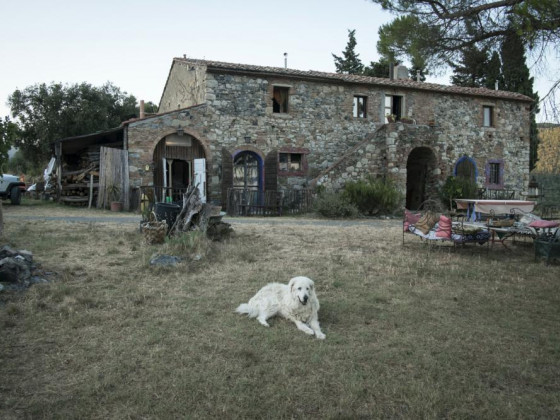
(474, 206)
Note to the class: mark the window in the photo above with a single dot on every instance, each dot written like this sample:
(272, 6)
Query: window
(247, 171)
(359, 107)
(290, 162)
(280, 97)
(393, 106)
(495, 174)
(487, 116)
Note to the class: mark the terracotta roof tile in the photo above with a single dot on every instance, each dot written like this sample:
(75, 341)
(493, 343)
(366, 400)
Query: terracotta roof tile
(352, 78)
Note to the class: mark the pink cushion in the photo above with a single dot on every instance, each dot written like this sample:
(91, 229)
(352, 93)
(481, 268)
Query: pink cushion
(410, 219)
(543, 224)
(444, 227)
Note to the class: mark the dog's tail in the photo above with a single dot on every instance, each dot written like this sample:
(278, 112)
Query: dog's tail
(244, 308)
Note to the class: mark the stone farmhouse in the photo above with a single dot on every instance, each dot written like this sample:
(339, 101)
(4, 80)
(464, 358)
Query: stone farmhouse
(223, 126)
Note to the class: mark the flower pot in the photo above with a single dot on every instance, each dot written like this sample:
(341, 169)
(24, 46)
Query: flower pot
(116, 206)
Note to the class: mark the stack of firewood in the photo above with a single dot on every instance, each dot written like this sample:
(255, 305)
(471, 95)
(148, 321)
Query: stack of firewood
(77, 185)
(81, 179)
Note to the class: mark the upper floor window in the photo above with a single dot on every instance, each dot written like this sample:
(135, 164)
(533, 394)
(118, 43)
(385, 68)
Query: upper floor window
(359, 107)
(487, 116)
(280, 97)
(393, 106)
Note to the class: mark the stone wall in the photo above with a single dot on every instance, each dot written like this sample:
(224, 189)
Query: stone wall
(236, 114)
(185, 87)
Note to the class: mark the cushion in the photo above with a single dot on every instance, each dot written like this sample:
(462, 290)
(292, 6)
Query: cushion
(410, 219)
(426, 222)
(444, 227)
(543, 224)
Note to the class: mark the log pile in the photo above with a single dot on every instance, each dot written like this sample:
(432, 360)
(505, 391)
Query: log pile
(80, 182)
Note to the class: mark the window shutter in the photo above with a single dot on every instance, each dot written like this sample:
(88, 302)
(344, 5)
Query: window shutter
(271, 171)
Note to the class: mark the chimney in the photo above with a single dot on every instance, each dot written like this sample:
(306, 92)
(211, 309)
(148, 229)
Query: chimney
(285, 60)
(496, 85)
(400, 72)
(391, 71)
(142, 115)
(418, 78)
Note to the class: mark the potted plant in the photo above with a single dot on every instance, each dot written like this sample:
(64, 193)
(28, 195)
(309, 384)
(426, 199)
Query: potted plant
(391, 118)
(113, 193)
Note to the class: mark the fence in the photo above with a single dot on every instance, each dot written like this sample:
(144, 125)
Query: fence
(244, 202)
(489, 194)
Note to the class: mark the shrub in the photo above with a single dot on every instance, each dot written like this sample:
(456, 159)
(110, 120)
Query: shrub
(457, 187)
(334, 205)
(373, 196)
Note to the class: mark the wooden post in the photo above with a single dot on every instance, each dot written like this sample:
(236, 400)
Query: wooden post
(90, 190)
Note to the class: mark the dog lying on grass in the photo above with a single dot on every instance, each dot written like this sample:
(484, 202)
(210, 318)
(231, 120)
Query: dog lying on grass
(295, 301)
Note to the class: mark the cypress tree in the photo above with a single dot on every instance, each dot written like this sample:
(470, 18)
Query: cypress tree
(350, 62)
(517, 78)
(471, 71)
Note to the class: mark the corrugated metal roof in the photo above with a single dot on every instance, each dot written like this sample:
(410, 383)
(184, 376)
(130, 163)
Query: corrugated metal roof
(217, 66)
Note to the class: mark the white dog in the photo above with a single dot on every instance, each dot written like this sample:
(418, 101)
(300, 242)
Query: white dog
(295, 301)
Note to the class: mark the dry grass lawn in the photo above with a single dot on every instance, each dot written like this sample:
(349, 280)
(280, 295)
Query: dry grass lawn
(412, 332)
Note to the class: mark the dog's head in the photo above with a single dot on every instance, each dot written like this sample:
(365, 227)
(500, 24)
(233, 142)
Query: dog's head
(302, 289)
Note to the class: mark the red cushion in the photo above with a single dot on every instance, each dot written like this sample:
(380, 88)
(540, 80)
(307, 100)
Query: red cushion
(444, 227)
(543, 224)
(410, 219)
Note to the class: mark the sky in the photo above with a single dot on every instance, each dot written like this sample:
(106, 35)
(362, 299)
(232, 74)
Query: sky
(132, 43)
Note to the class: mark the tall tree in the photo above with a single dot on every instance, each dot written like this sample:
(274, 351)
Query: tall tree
(440, 30)
(380, 68)
(7, 137)
(494, 72)
(349, 62)
(517, 78)
(46, 113)
(471, 69)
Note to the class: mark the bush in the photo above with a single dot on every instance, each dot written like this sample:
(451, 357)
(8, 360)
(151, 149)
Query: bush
(457, 187)
(373, 196)
(335, 206)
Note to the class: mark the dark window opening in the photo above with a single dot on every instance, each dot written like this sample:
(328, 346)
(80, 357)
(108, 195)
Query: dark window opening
(280, 97)
(393, 107)
(359, 107)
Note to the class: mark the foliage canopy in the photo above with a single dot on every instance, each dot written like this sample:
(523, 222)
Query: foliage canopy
(7, 136)
(440, 31)
(46, 113)
(549, 151)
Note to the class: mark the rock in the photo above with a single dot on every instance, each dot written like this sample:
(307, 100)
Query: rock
(15, 270)
(165, 261)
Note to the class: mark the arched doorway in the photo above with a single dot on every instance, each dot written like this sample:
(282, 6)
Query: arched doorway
(465, 168)
(247, 171)
(421, 183)
(177, 158)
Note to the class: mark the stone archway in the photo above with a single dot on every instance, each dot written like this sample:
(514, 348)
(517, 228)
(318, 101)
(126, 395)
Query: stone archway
(174, 168)
(421, 180)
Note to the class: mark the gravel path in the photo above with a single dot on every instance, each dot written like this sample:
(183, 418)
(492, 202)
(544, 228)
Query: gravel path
(135, 219)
